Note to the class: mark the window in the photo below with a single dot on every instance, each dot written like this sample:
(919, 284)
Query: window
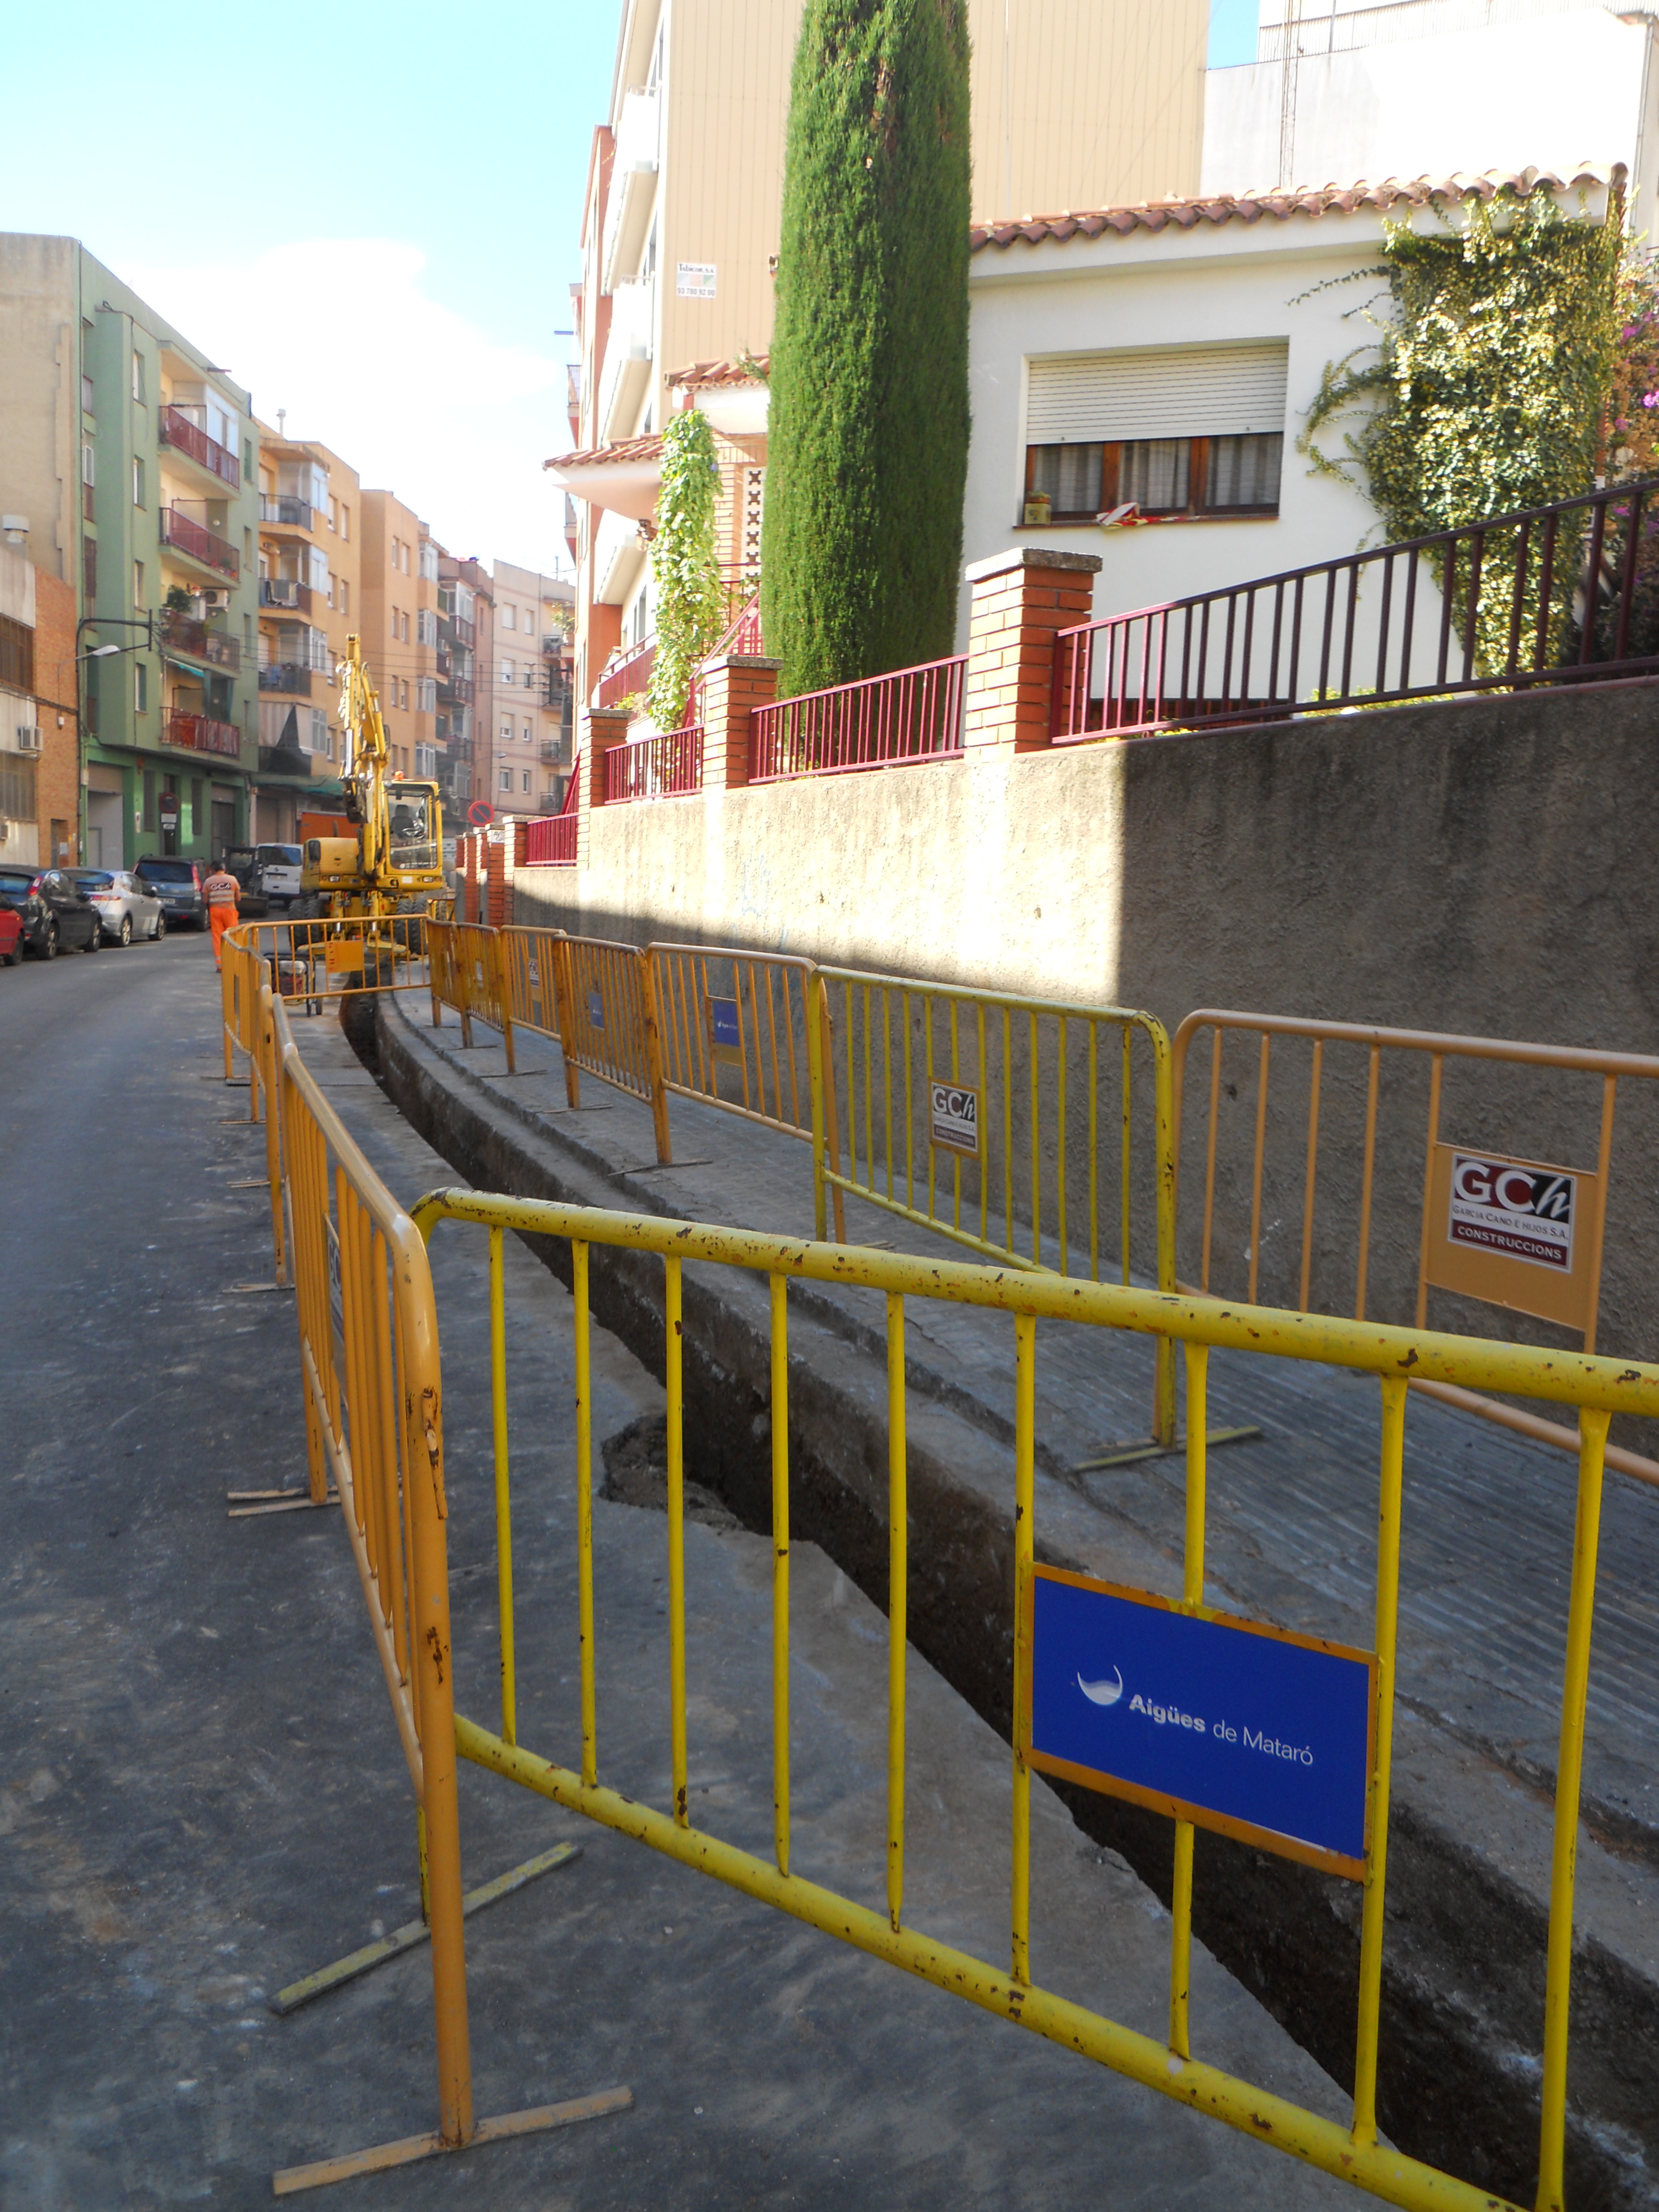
(429, 561)
(344, 590)
(140, 687)
(17, 787)
(1173, 431)
(16, 658)
(525, 779)
(316, 567)
(137, 583)
(529, 733)
(395, 562)
(530, 621)
(403, 697)
(507, 779)
(333, 514)
(138, 374)
(508, 674)
(507, 733)
(405, 630)
(345, 519)
(426, 696)
(137, 484)
(508, 621)
(320, 740)
(426, 627)
(89, 570)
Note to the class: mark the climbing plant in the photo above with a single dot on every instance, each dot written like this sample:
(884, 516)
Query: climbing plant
(1487, 388)
(867, 439)
(682, 565)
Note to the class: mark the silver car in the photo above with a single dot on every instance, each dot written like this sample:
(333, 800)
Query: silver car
(125, 908)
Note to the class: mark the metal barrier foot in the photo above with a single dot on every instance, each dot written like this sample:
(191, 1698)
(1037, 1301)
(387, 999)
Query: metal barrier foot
(1130, 1455)
(536, 2121)
(413, 1932)
(280, 1501)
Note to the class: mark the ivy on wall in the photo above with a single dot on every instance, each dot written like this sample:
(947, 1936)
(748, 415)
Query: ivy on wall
(688, 614)
(1489, 388)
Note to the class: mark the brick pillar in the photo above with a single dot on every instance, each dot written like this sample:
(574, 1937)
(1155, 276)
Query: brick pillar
(733, 687)
(495, 870)
(1020, 600)
(603, 727)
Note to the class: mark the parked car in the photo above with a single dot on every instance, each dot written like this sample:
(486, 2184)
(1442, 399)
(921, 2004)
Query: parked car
(11, 937)
(124, 907)
(56, 913)
(178, 885)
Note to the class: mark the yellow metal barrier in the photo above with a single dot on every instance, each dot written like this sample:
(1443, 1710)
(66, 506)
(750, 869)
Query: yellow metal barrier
(608, 1024)
(745, 1012)
(465, 973)
(530, 963)
(1597, 1387)
(368, 1351)
(323, 959)
(1525, 1234)
(995, 1120)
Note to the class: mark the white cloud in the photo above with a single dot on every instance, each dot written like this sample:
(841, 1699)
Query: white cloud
(418, 400)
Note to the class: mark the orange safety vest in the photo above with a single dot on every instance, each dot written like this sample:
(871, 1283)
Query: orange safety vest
(221, 890)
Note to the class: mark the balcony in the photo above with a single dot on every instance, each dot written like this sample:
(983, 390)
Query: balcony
(455, 691)
(286, 676)
(286, 512)
(461, 631)
(628, 357)
(190, 438)
(194, 539)
(633, 188)
(200, 733)
(285, 592)
(187, 639)
(552, 752)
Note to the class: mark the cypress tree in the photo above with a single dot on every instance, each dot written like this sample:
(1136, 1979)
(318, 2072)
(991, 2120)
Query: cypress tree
(867, 444)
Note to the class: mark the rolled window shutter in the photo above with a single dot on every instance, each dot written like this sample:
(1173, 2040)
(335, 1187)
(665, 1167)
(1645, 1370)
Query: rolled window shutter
(1175, 391)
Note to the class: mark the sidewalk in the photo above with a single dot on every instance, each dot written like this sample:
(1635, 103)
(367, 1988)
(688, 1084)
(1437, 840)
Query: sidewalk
(204, 1798)
(1487, 1545)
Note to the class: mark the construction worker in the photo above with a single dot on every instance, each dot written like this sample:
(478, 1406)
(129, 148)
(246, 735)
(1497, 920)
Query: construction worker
(223, 894)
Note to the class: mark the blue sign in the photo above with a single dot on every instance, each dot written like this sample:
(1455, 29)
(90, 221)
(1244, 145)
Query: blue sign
(723, 1023)
(1237, 1727)
(596, 1010)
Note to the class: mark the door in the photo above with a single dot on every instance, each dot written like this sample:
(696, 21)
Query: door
(224, 826)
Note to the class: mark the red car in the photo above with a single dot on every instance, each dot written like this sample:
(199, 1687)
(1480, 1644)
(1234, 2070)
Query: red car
(11, 937)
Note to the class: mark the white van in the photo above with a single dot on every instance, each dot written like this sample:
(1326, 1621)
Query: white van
(277, 873)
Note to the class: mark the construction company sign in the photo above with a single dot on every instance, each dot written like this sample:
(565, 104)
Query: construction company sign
(953, 1125)
(1516, 1233)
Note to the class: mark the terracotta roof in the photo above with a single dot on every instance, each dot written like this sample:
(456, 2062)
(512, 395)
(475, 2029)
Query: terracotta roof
(1327, 200)
(703, 374)
(625, 449)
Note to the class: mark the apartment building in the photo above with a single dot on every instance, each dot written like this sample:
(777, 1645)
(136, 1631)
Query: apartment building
(1076, 103)
(311, 534)
(127, 468)
(530, 722)
(466, 683)
(398, 576)
(39, 724)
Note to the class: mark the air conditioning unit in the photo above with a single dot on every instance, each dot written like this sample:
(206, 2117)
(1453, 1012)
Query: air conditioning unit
(214, 599)
(28, 737)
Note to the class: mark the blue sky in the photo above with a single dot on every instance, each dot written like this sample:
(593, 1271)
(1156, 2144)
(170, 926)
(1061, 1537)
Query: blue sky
(383, 247)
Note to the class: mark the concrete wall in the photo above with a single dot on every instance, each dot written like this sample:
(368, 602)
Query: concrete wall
(1479, 867)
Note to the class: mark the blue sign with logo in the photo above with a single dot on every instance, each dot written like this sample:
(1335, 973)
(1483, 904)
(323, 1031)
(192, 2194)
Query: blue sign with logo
(596, 1010)
(725, 1029)
(1238, 1726)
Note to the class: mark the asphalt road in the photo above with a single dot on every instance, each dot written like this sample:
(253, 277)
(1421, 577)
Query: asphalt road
(201, 1798)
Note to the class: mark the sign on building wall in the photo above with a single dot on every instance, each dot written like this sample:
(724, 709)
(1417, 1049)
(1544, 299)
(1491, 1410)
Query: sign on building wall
(695, 280)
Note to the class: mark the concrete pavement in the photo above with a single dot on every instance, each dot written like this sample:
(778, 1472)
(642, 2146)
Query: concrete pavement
(201, 1795)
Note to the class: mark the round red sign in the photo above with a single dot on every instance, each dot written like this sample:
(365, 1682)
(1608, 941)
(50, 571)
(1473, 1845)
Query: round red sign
(481, 814)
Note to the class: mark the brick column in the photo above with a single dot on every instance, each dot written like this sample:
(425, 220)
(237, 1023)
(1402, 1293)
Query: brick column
(733, 687)
(495, 872)
(603, 727)
(1020, 600)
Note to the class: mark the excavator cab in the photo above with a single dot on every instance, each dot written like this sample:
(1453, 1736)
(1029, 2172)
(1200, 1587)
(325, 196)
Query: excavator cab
(415, 830)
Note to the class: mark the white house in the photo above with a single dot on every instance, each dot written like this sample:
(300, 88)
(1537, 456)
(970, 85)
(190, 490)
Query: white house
(1162, 359)
(1350, 88)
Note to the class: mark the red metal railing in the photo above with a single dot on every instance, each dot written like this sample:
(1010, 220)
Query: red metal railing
(914, 715)
(178, 430)
(184, 635)
(667, 766)
(630, 674)
(551, 842)
(1546, 596)
(198, 541)
(742, 634)
(200, 733)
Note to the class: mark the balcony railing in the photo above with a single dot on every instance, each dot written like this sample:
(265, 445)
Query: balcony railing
(201, 543)
(551, 842)
(187, 437)
(285, 592)
(455, 691)
(462, 632)
(1548, 597)
(200, 733)
(285, 509)
(184, 635)
(552, 750)
(626, 675)
(286, 676)
(666, 766)
(741, 597)
(914, 715)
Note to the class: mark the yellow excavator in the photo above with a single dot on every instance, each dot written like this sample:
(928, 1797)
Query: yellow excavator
(394, 864)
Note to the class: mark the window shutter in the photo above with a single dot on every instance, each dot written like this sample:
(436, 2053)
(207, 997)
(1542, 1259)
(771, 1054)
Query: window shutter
(1175, 391)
